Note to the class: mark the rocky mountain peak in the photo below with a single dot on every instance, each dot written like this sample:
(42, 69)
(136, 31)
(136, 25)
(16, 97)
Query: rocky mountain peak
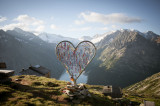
(18, 29)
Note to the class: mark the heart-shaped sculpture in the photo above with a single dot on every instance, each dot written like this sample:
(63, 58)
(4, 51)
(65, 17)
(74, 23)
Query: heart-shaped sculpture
(75, 59)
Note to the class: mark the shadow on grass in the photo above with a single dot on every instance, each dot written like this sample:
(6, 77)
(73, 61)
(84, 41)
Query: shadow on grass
(7, 93)
(97, 100)
(44, 93)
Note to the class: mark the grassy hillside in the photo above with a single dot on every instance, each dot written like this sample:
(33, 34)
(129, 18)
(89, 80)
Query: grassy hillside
(33, 90)
(148, 89)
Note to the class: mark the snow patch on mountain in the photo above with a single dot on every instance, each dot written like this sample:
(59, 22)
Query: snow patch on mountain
(53, 38)
(97, 38)
(85, 38)
(24, 33)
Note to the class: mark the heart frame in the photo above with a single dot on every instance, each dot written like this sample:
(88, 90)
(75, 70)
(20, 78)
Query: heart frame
(75, 48)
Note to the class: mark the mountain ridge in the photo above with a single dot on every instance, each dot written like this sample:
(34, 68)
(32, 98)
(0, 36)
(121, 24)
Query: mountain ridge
(128, 56)
(121, 55)
(19, 52)
(95, 39)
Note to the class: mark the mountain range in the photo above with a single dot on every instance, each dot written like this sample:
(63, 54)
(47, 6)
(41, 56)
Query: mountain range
(20, 49)
(123, 57)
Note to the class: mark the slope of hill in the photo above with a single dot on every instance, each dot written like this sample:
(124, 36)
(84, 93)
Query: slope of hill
(20, 49)
(148, 89)
(33, 90)
(123, 58)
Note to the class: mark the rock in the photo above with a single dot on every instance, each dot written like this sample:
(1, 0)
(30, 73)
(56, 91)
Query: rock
(75, 92)
(84, 92)
(82, 86)
(6, 73)
(141, 104)
(89, 95)
(66, 92)
(82, 97)
(18, 80)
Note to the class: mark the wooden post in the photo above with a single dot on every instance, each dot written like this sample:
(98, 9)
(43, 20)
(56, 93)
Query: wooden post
(75, 83)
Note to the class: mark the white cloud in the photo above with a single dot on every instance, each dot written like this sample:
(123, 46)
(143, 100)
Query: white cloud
(85, 28)
(40, 28)
(54, 27)
(79, 22)
(12, 26)
(2, 19)
(80, 29)
(29, 20)
(108, 18)
(114, 26)
(104, 28)
(26, 23)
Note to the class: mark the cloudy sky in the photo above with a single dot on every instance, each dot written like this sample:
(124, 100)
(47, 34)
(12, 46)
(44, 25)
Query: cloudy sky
(76, 18)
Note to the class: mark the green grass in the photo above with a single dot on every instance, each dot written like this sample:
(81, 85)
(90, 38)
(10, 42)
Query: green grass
(140, 99)
(141, 96)
(138, 93)
(41, 91)
(33, 91)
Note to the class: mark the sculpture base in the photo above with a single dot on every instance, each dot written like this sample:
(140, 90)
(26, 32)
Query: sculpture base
(76, 93)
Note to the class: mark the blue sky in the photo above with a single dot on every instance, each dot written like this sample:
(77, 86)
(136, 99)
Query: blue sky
(76, 18)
